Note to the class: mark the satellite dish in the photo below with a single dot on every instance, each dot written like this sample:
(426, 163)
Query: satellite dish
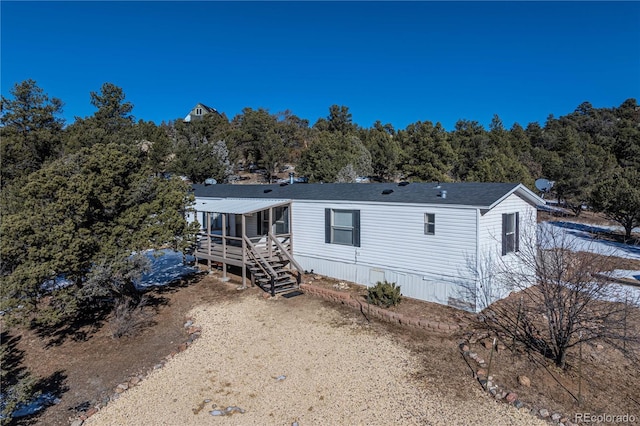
(544, 185)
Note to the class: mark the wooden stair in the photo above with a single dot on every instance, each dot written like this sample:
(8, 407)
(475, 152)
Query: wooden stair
(272, 273)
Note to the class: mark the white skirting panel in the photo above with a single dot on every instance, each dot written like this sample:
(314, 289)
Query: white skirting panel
(437, 289)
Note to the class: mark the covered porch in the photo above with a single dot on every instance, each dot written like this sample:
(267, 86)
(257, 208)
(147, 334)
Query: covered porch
(254, 235)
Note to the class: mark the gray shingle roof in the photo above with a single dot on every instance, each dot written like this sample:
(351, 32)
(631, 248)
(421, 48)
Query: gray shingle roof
(463, 193)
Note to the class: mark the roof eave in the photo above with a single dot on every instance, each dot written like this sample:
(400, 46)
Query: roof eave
(524, 192)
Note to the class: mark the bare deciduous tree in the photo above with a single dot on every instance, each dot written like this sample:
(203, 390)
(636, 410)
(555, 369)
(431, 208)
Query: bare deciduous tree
(565, 296)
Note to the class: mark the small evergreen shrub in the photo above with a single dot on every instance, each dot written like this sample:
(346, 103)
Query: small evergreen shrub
(384, 294)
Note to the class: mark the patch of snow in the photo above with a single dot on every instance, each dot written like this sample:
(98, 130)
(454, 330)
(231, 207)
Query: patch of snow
(36, 405)
(57, 283)
(166, 266)
(622, 292)
(624, 273)
(584, 237)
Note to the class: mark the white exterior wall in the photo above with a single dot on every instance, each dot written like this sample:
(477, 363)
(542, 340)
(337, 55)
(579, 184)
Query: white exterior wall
(393, 246)
(490, 241)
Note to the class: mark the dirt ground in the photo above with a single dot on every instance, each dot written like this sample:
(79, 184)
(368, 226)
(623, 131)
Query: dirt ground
(85, 367)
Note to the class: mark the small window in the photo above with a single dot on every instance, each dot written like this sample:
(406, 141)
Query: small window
(198, 111)
(429, 224)
(510, 233)
(342, 227)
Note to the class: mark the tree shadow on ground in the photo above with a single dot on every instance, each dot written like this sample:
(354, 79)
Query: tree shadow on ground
(79, 328)
(46, 390)
(51, 390)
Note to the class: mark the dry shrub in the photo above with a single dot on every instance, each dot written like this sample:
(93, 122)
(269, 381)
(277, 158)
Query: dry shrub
(130, 316)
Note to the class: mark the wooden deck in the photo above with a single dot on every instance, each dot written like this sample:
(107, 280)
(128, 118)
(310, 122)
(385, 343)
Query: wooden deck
(268, 259)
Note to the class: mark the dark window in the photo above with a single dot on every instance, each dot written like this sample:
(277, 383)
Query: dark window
(510, 233)
(342, 227)
(282, 219)
(429, 223)
(198, 111)
(214, 218)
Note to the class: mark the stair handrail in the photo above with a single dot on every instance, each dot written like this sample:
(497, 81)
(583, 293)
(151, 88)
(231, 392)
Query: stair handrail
(285, 252)
(262, 262)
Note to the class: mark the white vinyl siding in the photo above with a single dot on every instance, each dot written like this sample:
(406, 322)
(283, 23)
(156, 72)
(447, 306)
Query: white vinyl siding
(391, 239)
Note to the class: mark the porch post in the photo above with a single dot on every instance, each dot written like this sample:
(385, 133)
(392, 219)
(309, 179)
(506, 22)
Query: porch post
(209, 240)
(290, 230)
(244, 252)
(270, 231)
(224, 246)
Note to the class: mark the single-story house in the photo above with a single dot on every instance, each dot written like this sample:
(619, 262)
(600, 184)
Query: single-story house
(429, 238)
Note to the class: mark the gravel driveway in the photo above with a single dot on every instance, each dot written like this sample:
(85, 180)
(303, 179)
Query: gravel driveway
(283, 363)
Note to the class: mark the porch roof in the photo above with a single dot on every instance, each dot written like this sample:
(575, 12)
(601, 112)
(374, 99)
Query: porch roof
(237, 205)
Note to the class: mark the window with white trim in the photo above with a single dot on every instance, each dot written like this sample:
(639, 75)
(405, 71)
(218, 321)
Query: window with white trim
(342, 227)
(429, 224)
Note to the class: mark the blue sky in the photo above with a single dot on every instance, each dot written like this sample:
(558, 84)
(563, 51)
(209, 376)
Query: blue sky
(394, 62)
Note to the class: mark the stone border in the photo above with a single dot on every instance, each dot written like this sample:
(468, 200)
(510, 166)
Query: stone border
(376, 311)
(192, 331)
(478, 368)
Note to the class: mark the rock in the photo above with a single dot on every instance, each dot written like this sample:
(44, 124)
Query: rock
(556, 417)
(599, 347)
(281, 378)
(194, 329)
(119, 390)
(216, 413)
(123, 386)
(511, 397)
(233, 409)
(188, 324)
(134, 381)
(564, 420)
(77, 422)
(524, 381)
(464, 348)
(480, 361)
(473, 355)
(518, 404)
(500, 348)
(91, 412)
(482, 372)
(487, 344)
(544, 413)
